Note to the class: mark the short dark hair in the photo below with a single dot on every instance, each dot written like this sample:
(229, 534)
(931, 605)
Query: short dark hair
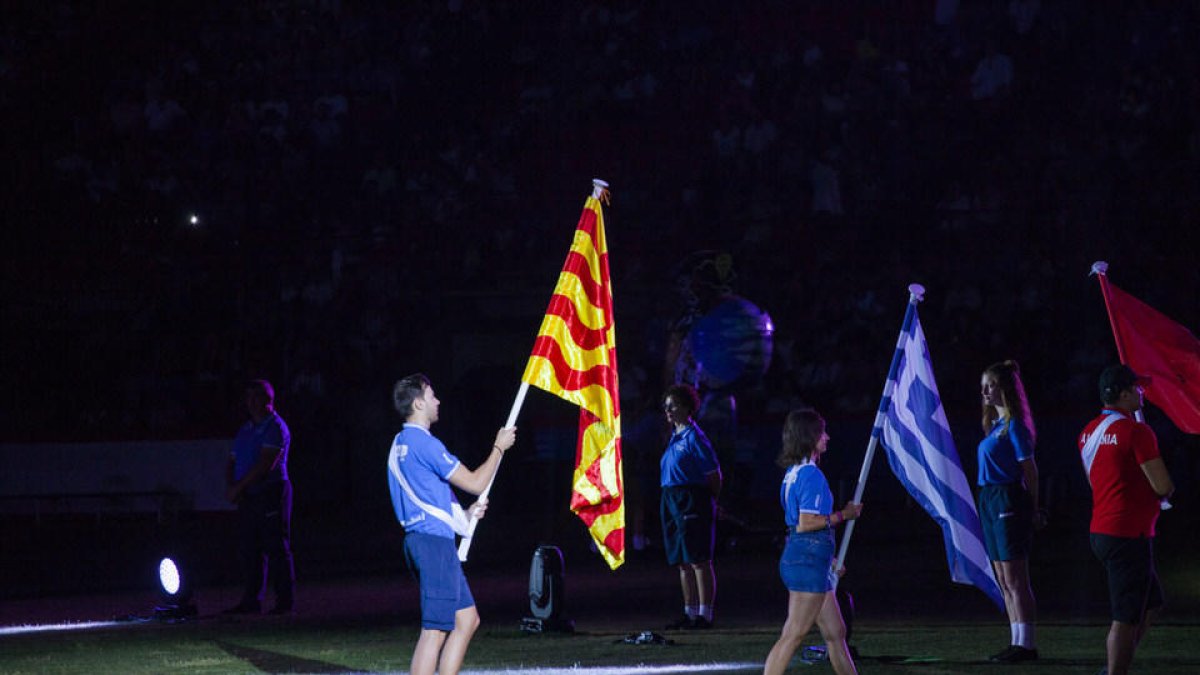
(1116, 379)
(801, 431)
(685, 395)
(407, 390)
(263, 386)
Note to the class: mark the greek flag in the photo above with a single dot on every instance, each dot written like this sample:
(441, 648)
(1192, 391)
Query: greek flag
(912, 428)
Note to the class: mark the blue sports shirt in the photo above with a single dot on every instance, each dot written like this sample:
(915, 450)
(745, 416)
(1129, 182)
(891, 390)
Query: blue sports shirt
(688, 459)
(272, 432)
(1000, 454)
(804, 490)
(426, 466)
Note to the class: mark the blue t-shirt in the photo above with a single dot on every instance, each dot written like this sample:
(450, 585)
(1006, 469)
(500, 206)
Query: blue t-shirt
(688, 459)
(1000, 454)
(426, 465)
(272, 432)
(804, 490)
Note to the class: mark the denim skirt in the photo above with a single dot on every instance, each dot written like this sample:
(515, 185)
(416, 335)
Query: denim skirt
(807, 562)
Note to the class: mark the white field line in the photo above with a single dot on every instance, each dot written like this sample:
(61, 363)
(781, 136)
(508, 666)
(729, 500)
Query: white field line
(626, 670)
(50, 627)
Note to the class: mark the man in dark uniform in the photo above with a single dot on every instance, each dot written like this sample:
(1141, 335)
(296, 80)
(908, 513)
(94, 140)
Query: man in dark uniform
(257, 480)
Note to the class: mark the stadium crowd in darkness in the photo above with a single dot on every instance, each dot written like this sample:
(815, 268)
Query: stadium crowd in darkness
(354, 165)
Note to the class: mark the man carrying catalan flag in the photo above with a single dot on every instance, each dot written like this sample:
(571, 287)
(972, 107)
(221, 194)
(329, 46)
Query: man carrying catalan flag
(420, 473)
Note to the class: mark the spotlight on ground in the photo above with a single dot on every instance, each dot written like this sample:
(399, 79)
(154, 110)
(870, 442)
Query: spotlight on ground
(546, 593)
(175, 591)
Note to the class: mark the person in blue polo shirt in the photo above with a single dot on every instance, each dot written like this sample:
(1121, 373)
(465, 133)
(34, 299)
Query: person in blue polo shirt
(420, 473)
(807, 563)
(1008, 499)
(691, 481)
(257, 481)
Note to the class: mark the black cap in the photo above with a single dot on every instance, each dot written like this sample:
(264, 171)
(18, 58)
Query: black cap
(1116, 379)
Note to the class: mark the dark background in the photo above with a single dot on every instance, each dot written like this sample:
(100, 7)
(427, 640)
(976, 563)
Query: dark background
(383, 188)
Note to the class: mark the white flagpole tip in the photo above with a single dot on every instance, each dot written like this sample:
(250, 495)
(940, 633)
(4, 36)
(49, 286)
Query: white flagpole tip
(600, 190)
(916, 292)
(1099, 267)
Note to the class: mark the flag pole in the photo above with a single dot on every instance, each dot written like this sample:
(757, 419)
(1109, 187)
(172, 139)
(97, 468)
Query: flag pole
(916, 293)
(464, 545)
(1100, 270)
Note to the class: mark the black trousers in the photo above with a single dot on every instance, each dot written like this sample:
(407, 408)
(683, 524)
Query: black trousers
(264, 536)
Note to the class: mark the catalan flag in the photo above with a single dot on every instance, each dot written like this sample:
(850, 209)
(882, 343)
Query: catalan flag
(575, 358)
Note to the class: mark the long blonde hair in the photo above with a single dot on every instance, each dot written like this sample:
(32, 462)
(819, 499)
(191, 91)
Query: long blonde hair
(1012, 396)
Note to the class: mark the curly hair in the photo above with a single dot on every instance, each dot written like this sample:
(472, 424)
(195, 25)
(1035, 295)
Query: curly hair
(683, 395)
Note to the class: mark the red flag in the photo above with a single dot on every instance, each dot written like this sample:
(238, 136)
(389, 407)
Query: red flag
(1157, 347)
(575, 358)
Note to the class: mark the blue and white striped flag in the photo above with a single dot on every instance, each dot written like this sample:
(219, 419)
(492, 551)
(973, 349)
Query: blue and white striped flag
(912, 427)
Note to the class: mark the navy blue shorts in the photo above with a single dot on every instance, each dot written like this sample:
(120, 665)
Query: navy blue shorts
(444, 591)
(689, 533)
(807, 562)
(1132, 581)
(1006, 514)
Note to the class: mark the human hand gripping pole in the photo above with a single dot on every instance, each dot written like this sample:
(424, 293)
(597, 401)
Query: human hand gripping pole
(464, 545)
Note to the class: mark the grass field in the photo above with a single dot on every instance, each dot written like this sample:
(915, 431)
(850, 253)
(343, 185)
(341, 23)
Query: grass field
(292, 646)
(909, 618)
(370, 625)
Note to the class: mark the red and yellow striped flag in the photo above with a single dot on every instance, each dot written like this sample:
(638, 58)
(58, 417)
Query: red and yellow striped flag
(575, 358)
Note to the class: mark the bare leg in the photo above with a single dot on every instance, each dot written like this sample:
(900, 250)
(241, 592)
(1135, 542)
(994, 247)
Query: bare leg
(1144, 626)
(1005, 593)
(687, 579)
(1013, 576)
(802, 612)
(1122, 640)
(833, 630)
(466, 621)
(706, 583)
(425, 656)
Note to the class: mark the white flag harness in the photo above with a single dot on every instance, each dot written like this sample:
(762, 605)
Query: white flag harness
(457, 520)
(1089, 450)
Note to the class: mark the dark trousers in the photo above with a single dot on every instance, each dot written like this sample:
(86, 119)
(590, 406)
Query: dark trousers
(264, 536)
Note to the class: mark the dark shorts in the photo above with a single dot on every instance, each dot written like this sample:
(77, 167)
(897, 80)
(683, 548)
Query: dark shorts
(1006, 514)
(688, 514)
(444, 591)
(807, 562)
(1132, 581)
